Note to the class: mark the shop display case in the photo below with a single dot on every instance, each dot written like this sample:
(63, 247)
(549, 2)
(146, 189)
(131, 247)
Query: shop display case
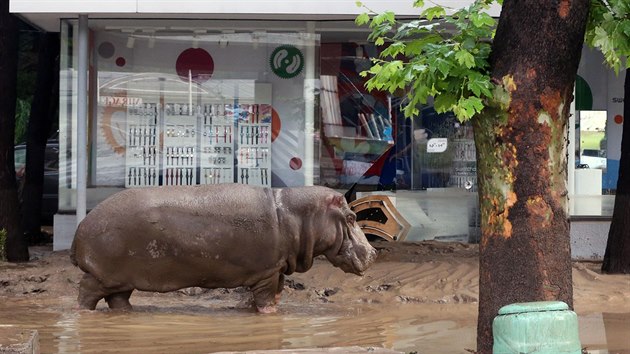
(141, 154)
(217, 144)
(180, 143)
(179, 150)
(254, 145)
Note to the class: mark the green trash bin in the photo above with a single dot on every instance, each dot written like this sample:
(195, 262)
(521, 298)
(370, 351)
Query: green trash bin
(545, 327)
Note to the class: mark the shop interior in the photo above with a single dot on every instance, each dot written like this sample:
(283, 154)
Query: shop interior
(269, 103)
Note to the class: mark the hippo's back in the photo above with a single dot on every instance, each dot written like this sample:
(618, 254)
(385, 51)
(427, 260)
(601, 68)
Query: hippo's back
(141, 236)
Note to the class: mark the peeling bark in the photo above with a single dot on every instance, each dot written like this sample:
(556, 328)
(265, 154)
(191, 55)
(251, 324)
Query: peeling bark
(522, 163)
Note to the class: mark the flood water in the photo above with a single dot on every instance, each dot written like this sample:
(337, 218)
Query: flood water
(199, 329)
(177, 326)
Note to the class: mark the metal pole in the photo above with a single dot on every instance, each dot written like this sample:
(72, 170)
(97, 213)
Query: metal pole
(571, 156)
(309, 105)
(82, 106)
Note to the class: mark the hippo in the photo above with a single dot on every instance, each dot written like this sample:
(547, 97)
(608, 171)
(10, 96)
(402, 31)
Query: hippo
(163, 239)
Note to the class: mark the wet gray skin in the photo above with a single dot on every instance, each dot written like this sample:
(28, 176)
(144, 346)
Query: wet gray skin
(216, 236)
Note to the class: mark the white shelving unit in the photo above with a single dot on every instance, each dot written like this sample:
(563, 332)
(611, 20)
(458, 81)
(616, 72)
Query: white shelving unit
(142, 151)
(254, 153)
(178, 140)
(179, 150)
(217, 144)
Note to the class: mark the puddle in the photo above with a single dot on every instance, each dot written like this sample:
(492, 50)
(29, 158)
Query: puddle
(172, 327)
(198, 329)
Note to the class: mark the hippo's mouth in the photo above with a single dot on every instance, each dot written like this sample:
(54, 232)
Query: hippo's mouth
(355, 255)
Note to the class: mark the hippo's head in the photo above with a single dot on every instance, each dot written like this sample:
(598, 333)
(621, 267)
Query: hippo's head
(355, 254)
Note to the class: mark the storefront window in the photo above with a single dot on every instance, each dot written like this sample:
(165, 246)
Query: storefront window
(67, 116)
(598, 133)
(269, 103)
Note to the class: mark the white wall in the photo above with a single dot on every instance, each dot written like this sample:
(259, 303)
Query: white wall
(46, 13)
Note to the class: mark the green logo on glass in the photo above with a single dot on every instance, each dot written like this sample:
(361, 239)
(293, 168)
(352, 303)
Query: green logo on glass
(286, 61)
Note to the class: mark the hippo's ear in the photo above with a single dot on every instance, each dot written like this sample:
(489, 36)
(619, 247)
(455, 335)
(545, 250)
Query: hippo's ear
(335, 201)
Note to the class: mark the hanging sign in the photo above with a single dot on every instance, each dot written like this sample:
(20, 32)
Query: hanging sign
(437, 145)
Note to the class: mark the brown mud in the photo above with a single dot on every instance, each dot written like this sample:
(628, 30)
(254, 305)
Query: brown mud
(420, 297)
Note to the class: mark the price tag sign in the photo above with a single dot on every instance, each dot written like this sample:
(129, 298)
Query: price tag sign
(437, 145)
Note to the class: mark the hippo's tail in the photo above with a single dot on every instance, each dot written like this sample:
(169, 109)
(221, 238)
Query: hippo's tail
(73, 250)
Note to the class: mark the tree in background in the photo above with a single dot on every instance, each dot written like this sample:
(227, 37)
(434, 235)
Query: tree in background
(609, 31)
(42, 117)
(16, 246)
(26, 78)
(516, 85)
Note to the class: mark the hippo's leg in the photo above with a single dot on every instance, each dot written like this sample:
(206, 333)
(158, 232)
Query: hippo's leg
(91, 292)
(265, 294)
(279, 290)
(119, 301)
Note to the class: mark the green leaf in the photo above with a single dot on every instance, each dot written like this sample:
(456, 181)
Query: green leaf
(419, 67)
(375, 69)
(385, 17)
(465, 58)
(414, 28)
(418, 3)
(481, 19)
(362, 19)
(601, 39)
(359, 4)
(379, 41)
(467, 107)
(393, 49)
(437, 63)
(418, 45)
(390, 17)
(444, 102)
(433, 12)
(479, 85)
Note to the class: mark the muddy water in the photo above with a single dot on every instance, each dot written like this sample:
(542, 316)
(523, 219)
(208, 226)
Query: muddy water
(171, 327)
(199, 329)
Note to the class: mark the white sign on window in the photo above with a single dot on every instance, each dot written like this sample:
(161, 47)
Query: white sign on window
(437, 145)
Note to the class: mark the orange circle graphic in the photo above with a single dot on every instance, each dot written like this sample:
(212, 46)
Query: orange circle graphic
(276, 125)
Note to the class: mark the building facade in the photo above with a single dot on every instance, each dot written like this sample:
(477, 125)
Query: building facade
(269, 93)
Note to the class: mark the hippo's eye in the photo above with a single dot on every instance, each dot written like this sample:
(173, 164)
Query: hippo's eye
(351, 218)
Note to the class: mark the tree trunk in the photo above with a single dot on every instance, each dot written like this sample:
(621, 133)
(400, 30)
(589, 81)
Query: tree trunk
(39, 125)
(16, 246)
(617, 256)
(522, 158)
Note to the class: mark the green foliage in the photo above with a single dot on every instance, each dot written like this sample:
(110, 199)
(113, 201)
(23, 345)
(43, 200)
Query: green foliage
(608, 30)
(3, 245)
(438, 55)
(26, 79)
(22, 114)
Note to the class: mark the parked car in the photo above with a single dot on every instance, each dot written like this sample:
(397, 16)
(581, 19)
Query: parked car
(50, 197)
(593, 158)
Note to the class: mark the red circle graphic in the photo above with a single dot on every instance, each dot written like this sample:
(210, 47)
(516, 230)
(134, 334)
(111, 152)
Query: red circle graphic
(295, 163)
(618, 119)
(120, 61)
(195, 63)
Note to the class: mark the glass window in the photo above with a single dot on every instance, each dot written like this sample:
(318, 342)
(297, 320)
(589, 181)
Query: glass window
(271, 103)
(20, 157)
